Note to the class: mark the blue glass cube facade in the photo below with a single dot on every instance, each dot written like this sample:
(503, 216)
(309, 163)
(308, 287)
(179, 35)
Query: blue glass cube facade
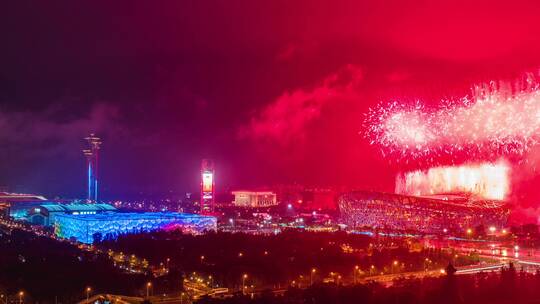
(91, 227)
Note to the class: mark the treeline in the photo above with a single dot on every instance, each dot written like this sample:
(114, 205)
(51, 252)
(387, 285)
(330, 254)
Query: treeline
(275, 260)
(510, 286)
(49, 271)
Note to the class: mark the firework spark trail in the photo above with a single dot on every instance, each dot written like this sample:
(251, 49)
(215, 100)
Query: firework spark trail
(499, 120)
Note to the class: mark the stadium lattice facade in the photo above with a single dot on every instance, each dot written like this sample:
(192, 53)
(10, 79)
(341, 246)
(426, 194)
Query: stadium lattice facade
(433, 214)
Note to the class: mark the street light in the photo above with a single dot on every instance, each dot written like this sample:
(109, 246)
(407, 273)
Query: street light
(21, 294)
(244, 277)
(148, 285)
(354, 273)
(88, 289)
(202, 259)
(311, 276)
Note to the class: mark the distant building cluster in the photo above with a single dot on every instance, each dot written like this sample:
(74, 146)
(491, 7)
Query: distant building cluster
(255, 199)
(285, 206)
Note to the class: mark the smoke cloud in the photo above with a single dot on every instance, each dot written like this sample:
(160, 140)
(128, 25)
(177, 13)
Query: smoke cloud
(287, 117)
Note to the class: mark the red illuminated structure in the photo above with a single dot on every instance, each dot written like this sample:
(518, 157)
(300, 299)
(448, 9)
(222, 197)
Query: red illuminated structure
(207, 187)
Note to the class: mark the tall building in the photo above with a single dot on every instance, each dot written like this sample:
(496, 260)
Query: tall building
(207, 187)
(92, 157)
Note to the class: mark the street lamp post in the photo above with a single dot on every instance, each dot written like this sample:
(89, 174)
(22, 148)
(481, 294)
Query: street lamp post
(148, 285)
(88, 289)
(21, 294)
(354, 273)
(244, 277)
(311, 276)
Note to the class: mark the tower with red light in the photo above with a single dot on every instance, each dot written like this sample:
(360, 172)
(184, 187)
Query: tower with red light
(207, 187)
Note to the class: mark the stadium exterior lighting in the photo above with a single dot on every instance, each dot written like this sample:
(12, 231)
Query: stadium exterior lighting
(429, 214)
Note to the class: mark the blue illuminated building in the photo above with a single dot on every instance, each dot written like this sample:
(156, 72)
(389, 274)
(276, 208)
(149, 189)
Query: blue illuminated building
(87, 228)
(45, 214)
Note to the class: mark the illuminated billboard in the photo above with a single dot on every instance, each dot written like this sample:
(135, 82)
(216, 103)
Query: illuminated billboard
(207, 182)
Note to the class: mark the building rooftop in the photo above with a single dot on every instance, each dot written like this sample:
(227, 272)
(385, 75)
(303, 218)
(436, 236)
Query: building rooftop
(77, 207)
(116, 216)
(20, 197)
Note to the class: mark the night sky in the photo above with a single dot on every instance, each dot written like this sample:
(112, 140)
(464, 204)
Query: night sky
(273, 91)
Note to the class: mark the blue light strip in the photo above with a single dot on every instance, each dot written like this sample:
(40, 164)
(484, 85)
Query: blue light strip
(89, 180)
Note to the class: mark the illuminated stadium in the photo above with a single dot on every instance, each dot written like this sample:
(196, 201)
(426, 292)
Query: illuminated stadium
(427, 214)
(91, 227)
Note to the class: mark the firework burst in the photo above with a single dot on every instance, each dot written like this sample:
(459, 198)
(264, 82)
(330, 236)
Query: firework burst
(498, 119)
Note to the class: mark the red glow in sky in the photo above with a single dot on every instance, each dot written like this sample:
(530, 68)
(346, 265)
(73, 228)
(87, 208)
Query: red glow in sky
(281, 86)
